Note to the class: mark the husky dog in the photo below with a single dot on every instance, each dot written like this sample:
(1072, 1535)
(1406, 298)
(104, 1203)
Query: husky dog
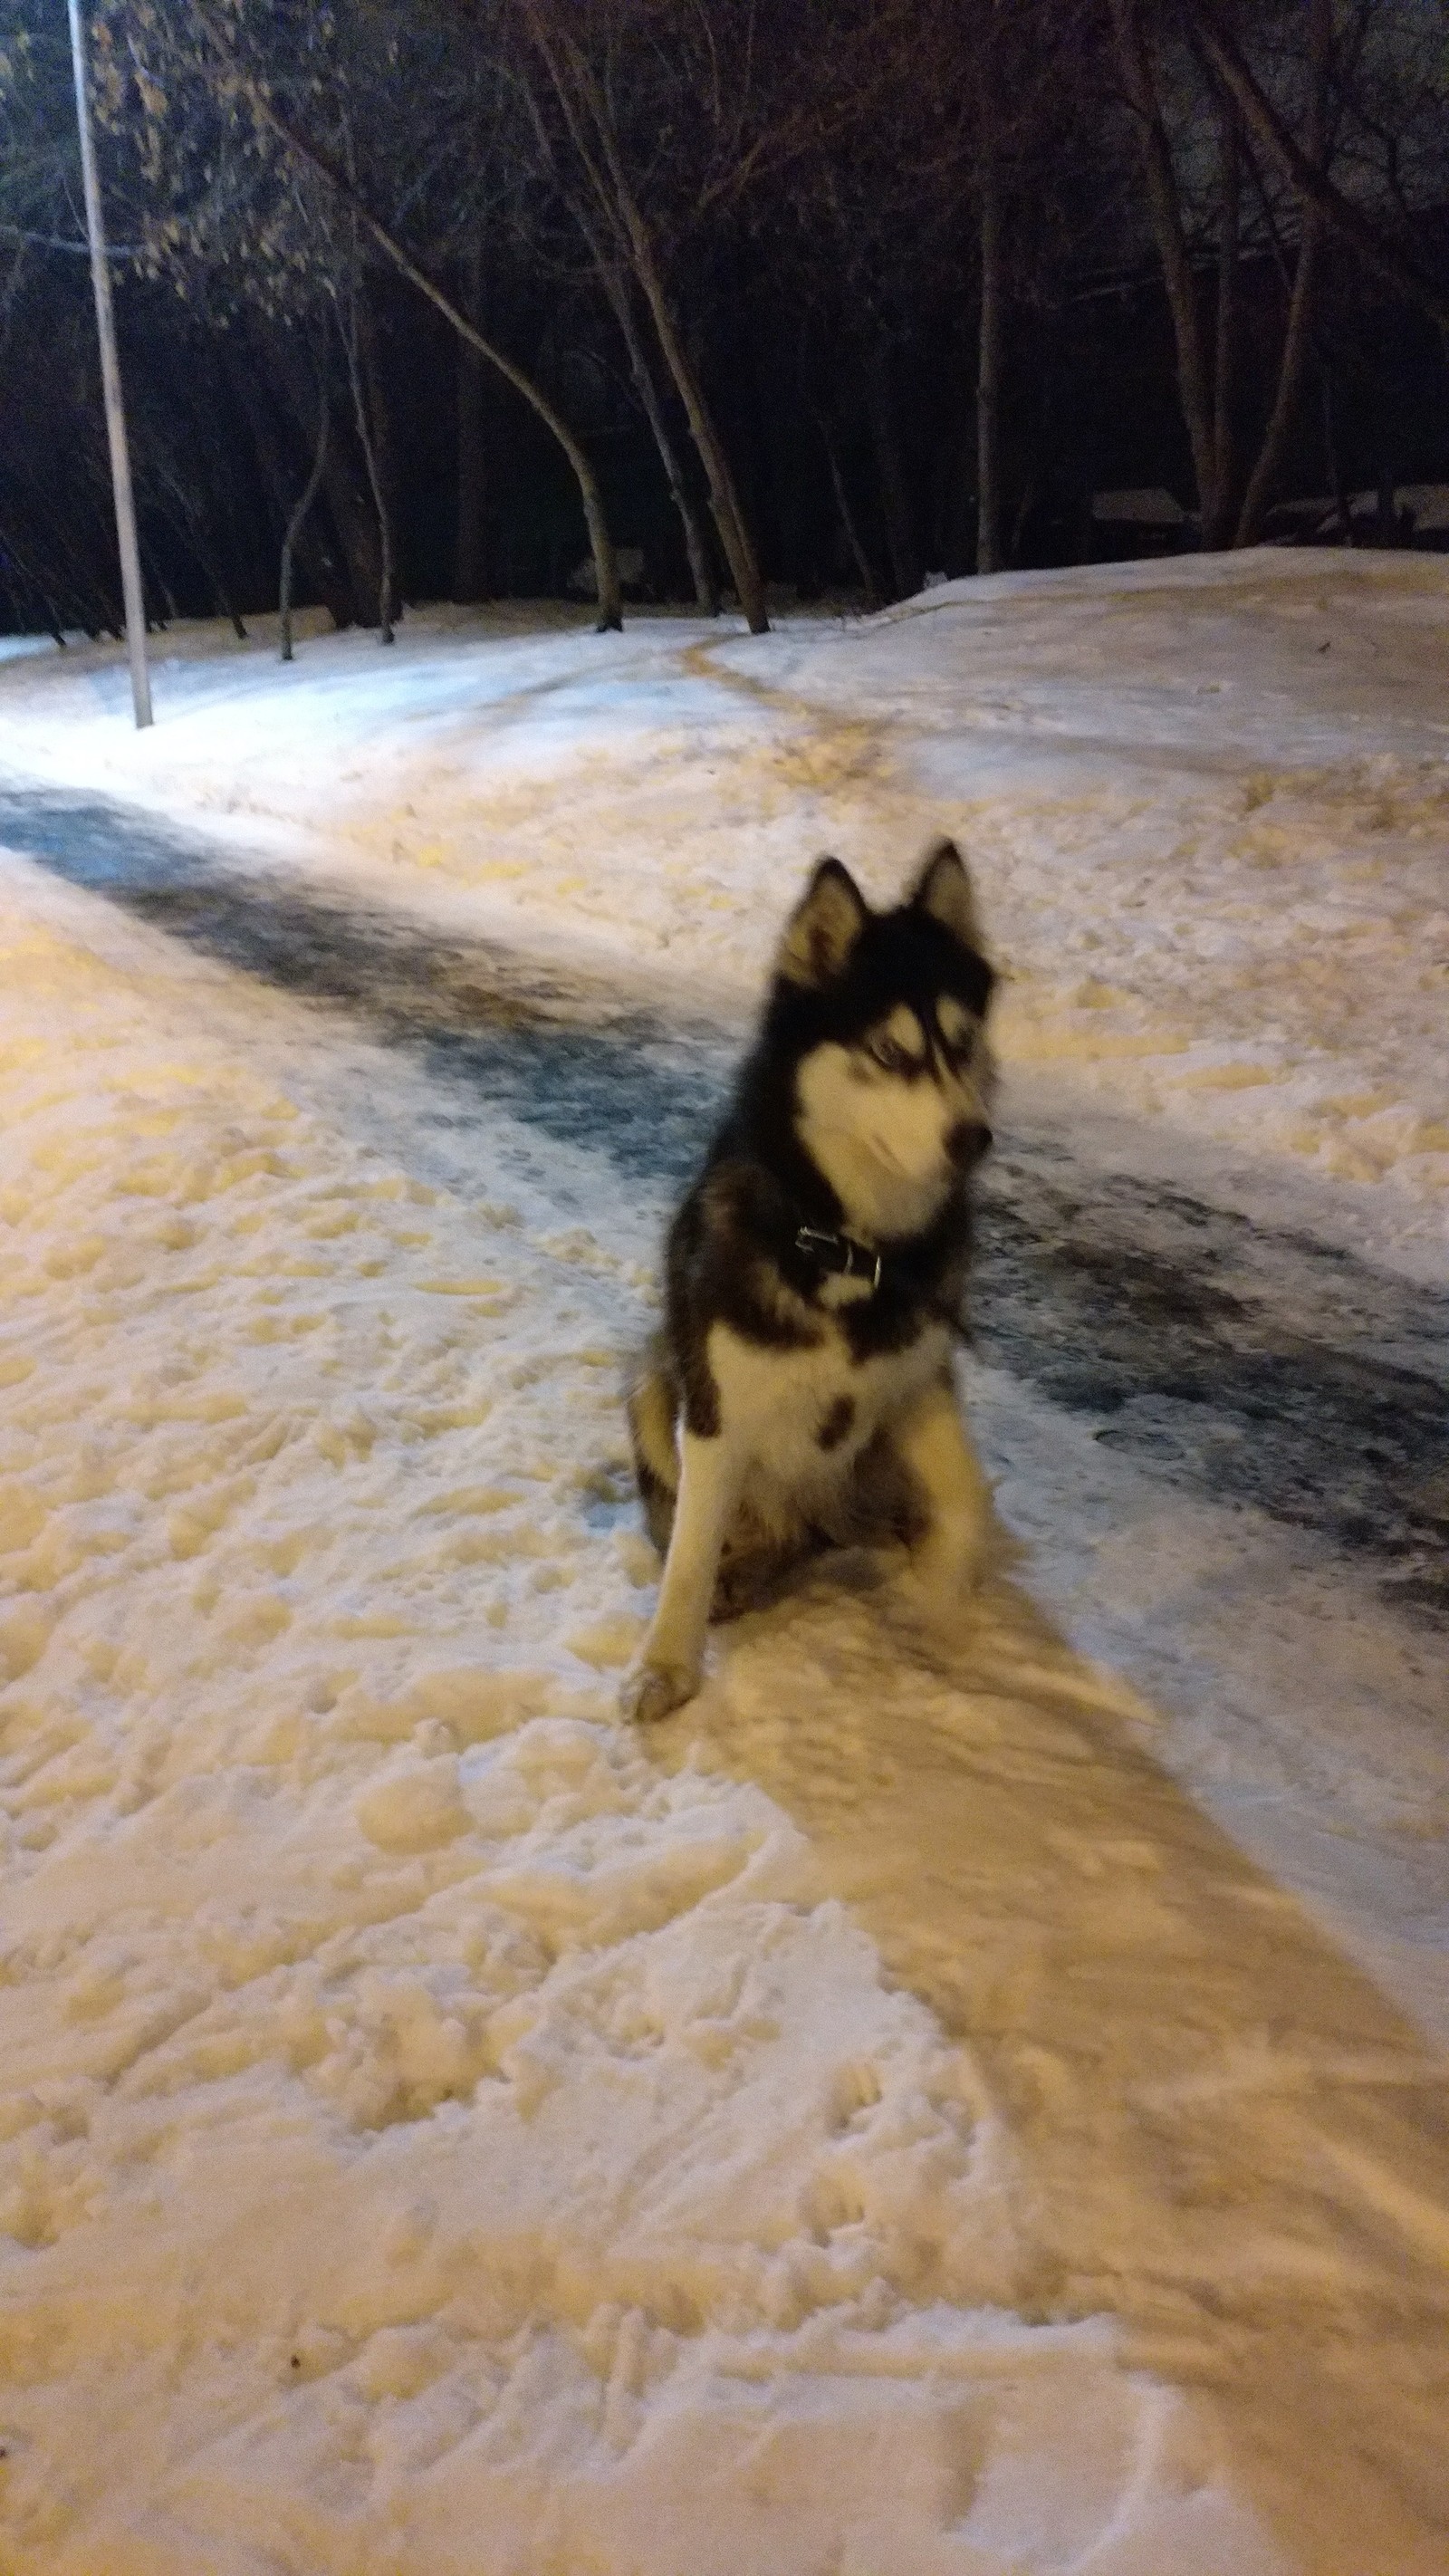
(800, 1392)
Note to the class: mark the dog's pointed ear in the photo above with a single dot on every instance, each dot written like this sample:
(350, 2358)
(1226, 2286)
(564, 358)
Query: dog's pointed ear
(821, 932)
(944, 890)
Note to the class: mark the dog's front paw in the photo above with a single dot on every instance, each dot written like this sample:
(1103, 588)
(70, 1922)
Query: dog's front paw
(944, 1593)
(652, 1691)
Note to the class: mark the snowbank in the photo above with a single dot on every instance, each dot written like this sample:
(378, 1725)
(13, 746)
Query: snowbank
(1207, 800)
(434, 2136)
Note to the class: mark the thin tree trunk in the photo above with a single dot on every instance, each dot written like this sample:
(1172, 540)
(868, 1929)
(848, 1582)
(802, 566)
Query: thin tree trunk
(1298, 336)
(1332, 459)
(35, 583)
(894, 490)
(331, 580)
(102, 613)
(350, 508)
(369, 454)
(696, 543)
(225, 602)
(724, 501)
(191, 527)
(847, 515)
(725, 507)
(1166, 212)
(1292, 372)
(305, 499)
(70, 566)
(990, 352)
(620, 205)
(182, 510)
(606, 569)
(469, 576)
(206, 512)
(109, 607)
(617, 296)
(1216, 532)
(1030, 492)
(381, 468)
(152, 566)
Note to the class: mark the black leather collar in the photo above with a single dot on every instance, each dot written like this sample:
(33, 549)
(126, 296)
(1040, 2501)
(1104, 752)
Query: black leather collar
(839, 1256)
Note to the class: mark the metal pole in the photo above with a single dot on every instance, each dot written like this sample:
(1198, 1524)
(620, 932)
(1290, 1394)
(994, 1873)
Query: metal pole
(111, 380)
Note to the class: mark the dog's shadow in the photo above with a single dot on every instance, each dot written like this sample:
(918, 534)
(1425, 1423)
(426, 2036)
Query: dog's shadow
(1222, 2125)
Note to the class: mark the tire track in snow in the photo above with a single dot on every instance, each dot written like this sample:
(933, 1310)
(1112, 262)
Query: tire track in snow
(1252, 1365)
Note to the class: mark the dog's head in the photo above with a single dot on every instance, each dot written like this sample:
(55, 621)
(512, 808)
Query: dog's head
(883, 1017)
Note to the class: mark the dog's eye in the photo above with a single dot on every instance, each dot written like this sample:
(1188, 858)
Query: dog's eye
(888, 1055)
(957, 1028)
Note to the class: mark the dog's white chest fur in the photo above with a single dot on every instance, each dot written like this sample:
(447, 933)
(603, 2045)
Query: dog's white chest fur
(797, 1419)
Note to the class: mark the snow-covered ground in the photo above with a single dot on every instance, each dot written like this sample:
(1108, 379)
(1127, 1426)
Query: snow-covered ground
(903, 2115)
(1207, 799)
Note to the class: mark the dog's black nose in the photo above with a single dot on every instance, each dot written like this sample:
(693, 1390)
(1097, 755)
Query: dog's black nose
(968, 1142)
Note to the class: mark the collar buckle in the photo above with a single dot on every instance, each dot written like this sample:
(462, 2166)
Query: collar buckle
(840, 1255)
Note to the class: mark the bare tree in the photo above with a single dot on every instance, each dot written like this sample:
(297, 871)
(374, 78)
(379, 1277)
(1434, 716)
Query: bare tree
(991, 337)
(305, 500)
(1385, 255)
(606, 569)
(1218, 525)
(849, 523)
(833, 262)
(1143, 91)
(1298, 333)
(469, 573)
(207, 40)
(584, 94)
(362, 382)
(1021, 61)
(1251, 129)
(613, 276)
(973, 143)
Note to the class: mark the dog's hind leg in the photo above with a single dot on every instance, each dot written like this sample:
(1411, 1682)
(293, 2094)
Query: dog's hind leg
(948, 1557)
(752, 1570)
(669, 1671)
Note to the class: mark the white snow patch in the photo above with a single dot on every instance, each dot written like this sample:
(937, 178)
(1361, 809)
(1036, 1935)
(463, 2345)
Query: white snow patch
(1206, 800)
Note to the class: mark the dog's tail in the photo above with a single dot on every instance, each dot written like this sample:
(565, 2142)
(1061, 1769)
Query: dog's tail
(653, 1406)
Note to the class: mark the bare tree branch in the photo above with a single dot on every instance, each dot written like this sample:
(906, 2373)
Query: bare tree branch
(1376, 249)
(312, 157)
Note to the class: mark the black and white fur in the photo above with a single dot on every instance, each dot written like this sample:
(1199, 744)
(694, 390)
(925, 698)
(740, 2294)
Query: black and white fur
(800, 1392)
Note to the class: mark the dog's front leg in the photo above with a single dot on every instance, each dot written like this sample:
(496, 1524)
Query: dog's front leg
(933, 1440)
(668, 1671)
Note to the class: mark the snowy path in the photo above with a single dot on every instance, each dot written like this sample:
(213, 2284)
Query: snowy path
(1242, 1362)
(438, 2136)
(1222, 2134)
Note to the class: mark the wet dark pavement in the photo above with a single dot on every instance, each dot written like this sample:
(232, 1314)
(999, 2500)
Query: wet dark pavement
(1253, 1365)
